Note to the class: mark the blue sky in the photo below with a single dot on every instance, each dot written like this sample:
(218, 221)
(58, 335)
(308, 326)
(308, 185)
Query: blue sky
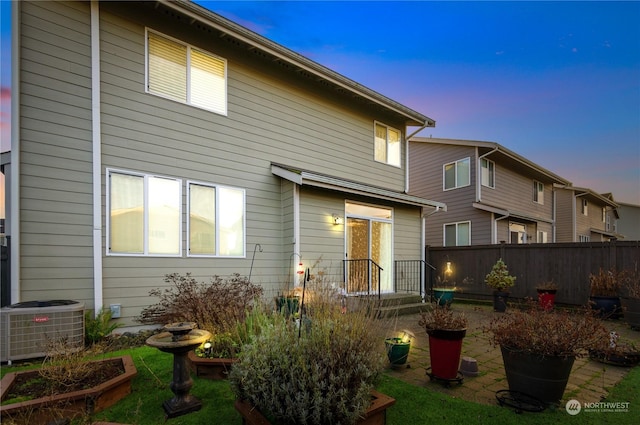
(557, 82)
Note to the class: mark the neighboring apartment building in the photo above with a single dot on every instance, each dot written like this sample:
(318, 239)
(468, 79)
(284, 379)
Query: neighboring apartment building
(629, 222)
(492, 194)
(586, 216)
(157, 137)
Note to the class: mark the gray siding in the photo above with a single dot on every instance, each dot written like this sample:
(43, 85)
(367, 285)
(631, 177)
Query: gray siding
(274, 115)
(565, 216)
(55, 195)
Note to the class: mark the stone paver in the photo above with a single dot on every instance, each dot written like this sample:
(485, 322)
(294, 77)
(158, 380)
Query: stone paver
(590, 381)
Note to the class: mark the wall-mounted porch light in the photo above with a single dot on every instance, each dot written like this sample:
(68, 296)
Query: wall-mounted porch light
(337, 219)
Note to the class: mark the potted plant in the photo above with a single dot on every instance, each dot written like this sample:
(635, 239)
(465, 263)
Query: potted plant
(500, 280)
(398, 348)
(303, 375)
(630, 298)
(446, 329)
(540, 346)
(605, 289)
(443, 292)
(547, 294)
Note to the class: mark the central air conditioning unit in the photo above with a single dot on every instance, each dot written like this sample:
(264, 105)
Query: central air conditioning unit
(27, 328)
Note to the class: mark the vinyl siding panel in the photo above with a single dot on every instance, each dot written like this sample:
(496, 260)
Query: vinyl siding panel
(565, 216)
(56, 236)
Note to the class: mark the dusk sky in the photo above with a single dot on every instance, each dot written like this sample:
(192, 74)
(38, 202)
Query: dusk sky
(556, 82)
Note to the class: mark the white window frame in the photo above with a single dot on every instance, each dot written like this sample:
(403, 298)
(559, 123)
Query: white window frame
(189, 86)
(585, 207)
(387, 159)
(490, 173)
(538, 192)
(457, 184)
(457, 227)
(218, 232)
(584, 238)
(146, 177)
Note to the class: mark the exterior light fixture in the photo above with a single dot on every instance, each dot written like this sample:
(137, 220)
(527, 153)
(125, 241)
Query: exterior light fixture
(337, 219)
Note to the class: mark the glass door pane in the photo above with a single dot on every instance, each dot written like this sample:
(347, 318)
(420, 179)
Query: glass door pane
(358, 253)
(381, 255)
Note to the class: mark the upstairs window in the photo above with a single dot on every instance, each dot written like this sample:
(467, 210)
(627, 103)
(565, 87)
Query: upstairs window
(488, 172)
(585, 207)
(387, 145)
(216, 225)
(186, 74)
(538, 192)
(144, 214)
(457, 174)
(457, 234)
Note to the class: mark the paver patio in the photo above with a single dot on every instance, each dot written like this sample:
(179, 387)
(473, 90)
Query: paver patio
(589, 381)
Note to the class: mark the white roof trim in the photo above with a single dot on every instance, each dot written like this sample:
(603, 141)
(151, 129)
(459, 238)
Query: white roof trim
(308, 178)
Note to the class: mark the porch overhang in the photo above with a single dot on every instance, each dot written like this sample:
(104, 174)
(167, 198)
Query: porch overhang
(508, 213)
(312, 179)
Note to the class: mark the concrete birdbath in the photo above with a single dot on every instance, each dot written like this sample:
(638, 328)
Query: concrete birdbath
(178, 339)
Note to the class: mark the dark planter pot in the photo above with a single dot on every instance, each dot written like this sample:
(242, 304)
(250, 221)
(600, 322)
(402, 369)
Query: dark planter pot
(397, 351)
(376, 414)
(68, 405)
(215, 369)
(631, 311)
(443, 296)
(607, 307)
(544, 378)
(546, 298)
(445, 347)
(500, 301)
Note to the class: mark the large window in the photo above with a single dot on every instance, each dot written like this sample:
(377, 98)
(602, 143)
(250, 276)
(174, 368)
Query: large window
(538, 192)
(488, 172)
(457, 174)
(216, 220)
(387, 145)
(144, 214)
(186, 74)
(457, 234)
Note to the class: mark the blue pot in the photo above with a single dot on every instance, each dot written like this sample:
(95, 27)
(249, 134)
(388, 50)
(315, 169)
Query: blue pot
(443, 296)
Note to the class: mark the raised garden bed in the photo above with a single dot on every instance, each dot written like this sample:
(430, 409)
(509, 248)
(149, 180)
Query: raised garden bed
(75, 403)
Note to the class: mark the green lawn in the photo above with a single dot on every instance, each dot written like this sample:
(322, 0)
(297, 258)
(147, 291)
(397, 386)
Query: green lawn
(414, 404)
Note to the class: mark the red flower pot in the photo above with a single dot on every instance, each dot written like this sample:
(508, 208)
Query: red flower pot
(445, 347)
(546, 298)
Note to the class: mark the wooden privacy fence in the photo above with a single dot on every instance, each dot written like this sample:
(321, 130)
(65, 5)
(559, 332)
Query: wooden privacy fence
(567, 264)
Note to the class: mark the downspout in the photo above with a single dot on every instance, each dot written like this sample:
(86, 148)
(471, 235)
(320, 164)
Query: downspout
(296, 225)
(479, 173)
(15, 152)
(423, 235)
(406, 157)
(97, 160)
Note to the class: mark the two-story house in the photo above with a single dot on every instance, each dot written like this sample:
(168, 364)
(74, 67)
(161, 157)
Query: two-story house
(586, 216)
(492, 193)
(158, 137)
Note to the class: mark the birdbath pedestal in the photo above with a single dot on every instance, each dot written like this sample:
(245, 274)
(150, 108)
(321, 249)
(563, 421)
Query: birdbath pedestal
(178, 339)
